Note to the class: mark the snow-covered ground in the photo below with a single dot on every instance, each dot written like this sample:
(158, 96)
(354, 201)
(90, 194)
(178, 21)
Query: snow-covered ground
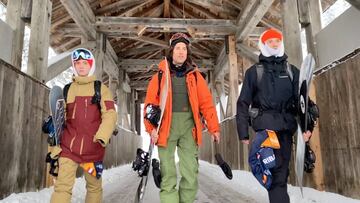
(120, 183)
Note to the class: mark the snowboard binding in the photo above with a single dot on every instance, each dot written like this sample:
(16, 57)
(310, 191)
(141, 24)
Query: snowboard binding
(141, 162)
(152, 114)
(54, 165)
(48, 128)
(309, 159)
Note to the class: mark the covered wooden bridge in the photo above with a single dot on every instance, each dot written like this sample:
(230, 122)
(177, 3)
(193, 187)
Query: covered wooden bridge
(130, 37)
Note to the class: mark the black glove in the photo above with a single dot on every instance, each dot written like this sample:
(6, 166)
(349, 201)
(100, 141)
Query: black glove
(156, 172)
(224, 166)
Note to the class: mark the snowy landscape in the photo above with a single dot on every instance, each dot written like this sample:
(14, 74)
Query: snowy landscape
(120, 184)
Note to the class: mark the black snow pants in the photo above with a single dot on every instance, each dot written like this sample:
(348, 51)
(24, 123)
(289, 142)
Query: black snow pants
(278, 190)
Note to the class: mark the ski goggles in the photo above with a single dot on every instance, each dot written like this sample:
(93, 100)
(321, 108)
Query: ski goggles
(178, 36)
(81, 53)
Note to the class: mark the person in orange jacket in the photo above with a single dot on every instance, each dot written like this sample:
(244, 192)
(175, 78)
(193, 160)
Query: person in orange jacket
(181, 126)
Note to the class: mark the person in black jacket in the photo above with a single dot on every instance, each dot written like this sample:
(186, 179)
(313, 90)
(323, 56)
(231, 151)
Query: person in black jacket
(269, 90)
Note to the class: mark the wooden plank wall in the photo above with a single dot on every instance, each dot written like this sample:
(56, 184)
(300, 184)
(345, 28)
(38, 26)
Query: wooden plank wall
(338, 97)
(23, 106)
(23, 148)
(229, 147)
(122, 148)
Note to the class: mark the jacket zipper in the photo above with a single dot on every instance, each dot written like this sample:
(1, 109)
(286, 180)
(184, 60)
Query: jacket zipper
(73, 115)
(86, 105)
(72, 142)
(81, 146)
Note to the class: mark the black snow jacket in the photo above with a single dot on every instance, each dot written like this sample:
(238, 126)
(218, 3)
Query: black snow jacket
(274, 95)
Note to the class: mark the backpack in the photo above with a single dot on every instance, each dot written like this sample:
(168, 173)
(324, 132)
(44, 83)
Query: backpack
(260, 72)
(96, 99)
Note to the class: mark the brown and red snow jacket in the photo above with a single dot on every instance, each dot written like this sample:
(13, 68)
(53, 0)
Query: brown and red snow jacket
(86, 123)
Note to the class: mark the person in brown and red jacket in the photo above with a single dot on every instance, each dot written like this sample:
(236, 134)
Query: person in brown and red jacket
(90, 121)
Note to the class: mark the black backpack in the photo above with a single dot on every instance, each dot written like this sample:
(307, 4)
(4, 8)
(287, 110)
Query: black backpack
(260, 72)
(96, 99)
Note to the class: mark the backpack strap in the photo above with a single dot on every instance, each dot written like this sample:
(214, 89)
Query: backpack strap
(159, 81)
(96, 99)
(65, 91)
(259, 73)
(289, 71)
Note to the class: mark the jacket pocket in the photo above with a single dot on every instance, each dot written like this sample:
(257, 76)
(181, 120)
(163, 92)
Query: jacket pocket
(70, 111)
(90, 147)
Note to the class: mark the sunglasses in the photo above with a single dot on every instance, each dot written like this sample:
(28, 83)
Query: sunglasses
(81, 53)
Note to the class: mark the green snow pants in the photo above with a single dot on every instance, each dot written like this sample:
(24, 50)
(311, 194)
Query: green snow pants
(182, 124)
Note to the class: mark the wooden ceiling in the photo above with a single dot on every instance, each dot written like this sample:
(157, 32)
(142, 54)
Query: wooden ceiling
(146, 37)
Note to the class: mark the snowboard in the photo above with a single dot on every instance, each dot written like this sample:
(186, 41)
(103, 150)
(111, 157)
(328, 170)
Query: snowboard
(306, 73)
(57, 110)
(163, 98)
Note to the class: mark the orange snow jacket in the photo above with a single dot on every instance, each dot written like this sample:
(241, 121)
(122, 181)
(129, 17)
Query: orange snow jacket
(200, 100)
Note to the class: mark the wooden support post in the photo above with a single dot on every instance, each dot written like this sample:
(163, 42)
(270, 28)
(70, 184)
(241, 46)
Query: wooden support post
(99, 55)
(233, 77)
(132, 109)
(291, 31)
(310, 11)
(122, 105)
(219, 87)
(39, 39)
(293, 48)
(13, 19)
(138, 117)
(26, 9)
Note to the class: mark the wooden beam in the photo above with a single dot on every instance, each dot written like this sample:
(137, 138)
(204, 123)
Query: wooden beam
(310, 18)
(82, 14)
(141, 50)
(162, 22)
(13, 19)
(100, 55)
(247, 52)
(166, 8)
(136, 8)
(291, 31)
(117, 6)
(355, 3)
(252, 15)
(26, 11)
(270, 24)
(39, 39)
(233, 77)
(147, 62)
(202, 10)
(235, 4)
(311, 10)
(154, 12)
(179, 12)
(153, 41)
(247, 21)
